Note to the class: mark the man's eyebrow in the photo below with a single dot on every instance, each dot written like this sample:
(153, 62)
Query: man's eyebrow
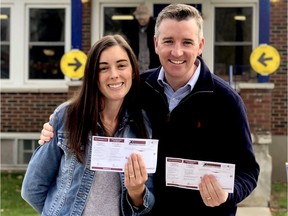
(167, 38)
(188, 39)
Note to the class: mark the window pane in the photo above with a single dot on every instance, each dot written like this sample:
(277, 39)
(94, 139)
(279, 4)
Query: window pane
(25, 150)
(5, 59)
(233, 40)
(27, 145)
(26, 158)
(233, 24)
(45, 62)
(46, 46)
(238, 56)
(5, 43)
(47, 25)
(112, 25)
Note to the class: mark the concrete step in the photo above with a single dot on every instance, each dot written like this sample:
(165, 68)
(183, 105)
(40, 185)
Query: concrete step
(253, 211)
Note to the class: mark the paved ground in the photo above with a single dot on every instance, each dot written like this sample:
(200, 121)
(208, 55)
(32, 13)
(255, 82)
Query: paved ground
(253, 211)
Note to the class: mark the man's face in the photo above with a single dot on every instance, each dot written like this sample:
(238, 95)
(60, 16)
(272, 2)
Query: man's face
(143, 20)
(178, 46)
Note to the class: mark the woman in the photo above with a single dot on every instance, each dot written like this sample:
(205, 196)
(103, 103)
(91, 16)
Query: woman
(58, 180)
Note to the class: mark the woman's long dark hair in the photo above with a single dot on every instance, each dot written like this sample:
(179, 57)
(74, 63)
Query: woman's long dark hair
(83, 111)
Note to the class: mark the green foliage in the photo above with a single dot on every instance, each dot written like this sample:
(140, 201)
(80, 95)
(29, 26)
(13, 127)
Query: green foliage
(278, 203)
(12, 203)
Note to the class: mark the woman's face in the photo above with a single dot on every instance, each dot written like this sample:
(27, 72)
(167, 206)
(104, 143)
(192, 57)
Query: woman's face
(115, 73)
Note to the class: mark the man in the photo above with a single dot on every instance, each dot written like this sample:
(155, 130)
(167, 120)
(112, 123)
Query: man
(139, 33)
(196, 116)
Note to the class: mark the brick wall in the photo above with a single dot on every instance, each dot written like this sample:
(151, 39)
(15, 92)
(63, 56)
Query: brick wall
(26, 112)
(278, 39)
(258, 99)
(86, 27)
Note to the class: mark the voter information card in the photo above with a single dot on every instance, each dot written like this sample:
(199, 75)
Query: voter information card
(111, 153)
(184, 173)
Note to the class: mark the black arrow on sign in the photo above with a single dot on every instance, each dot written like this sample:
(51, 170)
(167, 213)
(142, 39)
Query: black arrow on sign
(77, 64)
(262, 59)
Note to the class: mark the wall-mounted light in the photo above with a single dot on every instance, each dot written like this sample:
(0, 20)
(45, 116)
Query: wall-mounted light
(240, 18)
(84, 1)
(122, 17)
(49, 52)
(3, 16)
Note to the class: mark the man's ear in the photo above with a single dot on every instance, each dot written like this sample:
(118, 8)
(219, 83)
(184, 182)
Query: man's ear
(156, 45)
(201, 46)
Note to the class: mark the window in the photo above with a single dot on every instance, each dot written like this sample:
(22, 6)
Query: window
(17, 149)
(233, 40)
(35, 34)
(5, 42)
(46, 43)
(116, 17)
(25, 150)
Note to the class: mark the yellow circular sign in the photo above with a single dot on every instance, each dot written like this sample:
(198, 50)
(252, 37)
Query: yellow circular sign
(73, 64)
(265, 59)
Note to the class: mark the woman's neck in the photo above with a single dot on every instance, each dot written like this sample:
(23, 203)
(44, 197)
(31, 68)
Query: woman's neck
(110, 125)
(109, 119)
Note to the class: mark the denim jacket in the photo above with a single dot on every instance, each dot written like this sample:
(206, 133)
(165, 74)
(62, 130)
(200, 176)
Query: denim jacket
(56, 183)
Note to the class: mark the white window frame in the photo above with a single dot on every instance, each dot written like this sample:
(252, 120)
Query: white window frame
(209, 24)
(19, 52)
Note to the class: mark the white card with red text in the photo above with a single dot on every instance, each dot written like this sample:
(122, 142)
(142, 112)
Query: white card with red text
(111, 153)
(185, 173)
